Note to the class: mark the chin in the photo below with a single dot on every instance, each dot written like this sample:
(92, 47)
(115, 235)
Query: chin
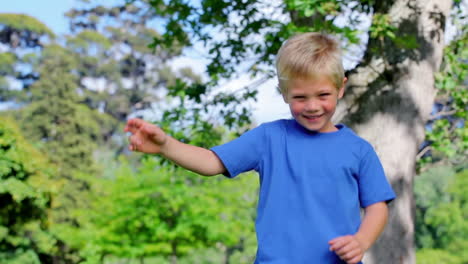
(313, 128)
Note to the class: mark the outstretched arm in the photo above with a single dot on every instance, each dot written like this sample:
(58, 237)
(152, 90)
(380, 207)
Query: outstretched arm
(148, 138)
(351, 248)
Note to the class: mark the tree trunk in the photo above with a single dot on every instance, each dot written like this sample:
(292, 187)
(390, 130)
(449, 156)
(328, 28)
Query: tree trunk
(230, 250)
(388, 101)
(173, 257)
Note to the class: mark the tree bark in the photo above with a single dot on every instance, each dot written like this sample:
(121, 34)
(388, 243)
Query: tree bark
(388, 100)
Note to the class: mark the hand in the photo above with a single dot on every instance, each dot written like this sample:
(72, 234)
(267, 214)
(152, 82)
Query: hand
(145, 137)
(348, 248)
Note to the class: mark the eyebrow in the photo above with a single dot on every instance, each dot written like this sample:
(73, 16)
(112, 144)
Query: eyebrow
(298, 93)
(321, 91)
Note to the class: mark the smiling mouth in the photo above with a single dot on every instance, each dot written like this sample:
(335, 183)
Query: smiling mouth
(312, 117)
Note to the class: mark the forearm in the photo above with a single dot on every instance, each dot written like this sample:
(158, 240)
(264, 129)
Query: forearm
(373, 224)
(196, 159)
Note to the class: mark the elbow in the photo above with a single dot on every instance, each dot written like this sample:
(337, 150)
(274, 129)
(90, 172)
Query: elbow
(214, 167)
(211, 173)
(208, 174)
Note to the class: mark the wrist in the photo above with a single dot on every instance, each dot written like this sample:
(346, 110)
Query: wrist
(365, 243)
(165, 145)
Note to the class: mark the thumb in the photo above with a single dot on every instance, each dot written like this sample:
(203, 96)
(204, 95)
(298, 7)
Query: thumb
(155, 133)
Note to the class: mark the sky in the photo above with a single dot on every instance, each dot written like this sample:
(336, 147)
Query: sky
(269, 105)
(49, 12)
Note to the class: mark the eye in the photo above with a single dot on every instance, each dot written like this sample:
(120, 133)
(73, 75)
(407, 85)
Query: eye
(324, 94)
(298, 97)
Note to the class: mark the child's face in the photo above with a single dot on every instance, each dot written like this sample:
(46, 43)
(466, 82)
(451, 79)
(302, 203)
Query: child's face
(313, 102)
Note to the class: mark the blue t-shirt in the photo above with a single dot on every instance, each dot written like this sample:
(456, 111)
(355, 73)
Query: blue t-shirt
(312, 186)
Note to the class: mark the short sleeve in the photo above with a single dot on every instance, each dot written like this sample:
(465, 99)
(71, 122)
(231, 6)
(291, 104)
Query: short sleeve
(373, 185)
(243, 153)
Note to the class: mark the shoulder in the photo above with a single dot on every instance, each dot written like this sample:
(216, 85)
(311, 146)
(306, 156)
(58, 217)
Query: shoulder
(264, 131)
(276, 123)
(352, 139)
(277, 126)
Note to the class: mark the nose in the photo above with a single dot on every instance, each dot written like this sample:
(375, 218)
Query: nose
(311, 106)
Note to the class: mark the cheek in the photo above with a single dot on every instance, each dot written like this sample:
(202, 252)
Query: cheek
(329, 105)
(296, 108)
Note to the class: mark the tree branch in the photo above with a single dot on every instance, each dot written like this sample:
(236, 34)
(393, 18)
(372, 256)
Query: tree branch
(423, 151)
(442, 114)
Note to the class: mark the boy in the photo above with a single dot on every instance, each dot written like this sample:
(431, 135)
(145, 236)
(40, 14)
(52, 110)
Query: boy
(314, 176)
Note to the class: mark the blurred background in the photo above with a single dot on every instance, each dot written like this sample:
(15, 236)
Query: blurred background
(73, 72)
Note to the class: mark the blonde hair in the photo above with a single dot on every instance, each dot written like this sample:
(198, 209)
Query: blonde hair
(308, 56)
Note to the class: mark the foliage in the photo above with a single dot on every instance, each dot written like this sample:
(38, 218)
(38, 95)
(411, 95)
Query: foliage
(68, 132)
(24, 22)
(192, 120)
(22, 37)
(441, 204)
(441, 215)
(252, 31)
(447, 136)
(56, 117)
(28, 30)
(158, 211)
(111, 45)
(25, 194)
(436, 256)
(87, 38)
(7, 60)
(381, 27)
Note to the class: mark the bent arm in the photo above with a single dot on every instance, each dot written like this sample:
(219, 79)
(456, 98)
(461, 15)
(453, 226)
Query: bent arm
(200, 160)
(372, 225)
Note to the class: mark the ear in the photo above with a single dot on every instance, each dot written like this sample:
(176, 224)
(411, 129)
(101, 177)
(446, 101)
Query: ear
(283, 93)
(285, 98)
(342, 89)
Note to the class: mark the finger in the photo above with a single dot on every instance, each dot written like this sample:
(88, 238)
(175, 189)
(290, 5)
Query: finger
(130, 147)
(133, 125)
(334, 241)
(150, 130)
(336, 246)
(355, 260)
(338, 239)
(155, 133)
(350, 245)
(130, 144)
(134, 142)
(345, 249)
(133, 147)
(351, 255)
(338, 243)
